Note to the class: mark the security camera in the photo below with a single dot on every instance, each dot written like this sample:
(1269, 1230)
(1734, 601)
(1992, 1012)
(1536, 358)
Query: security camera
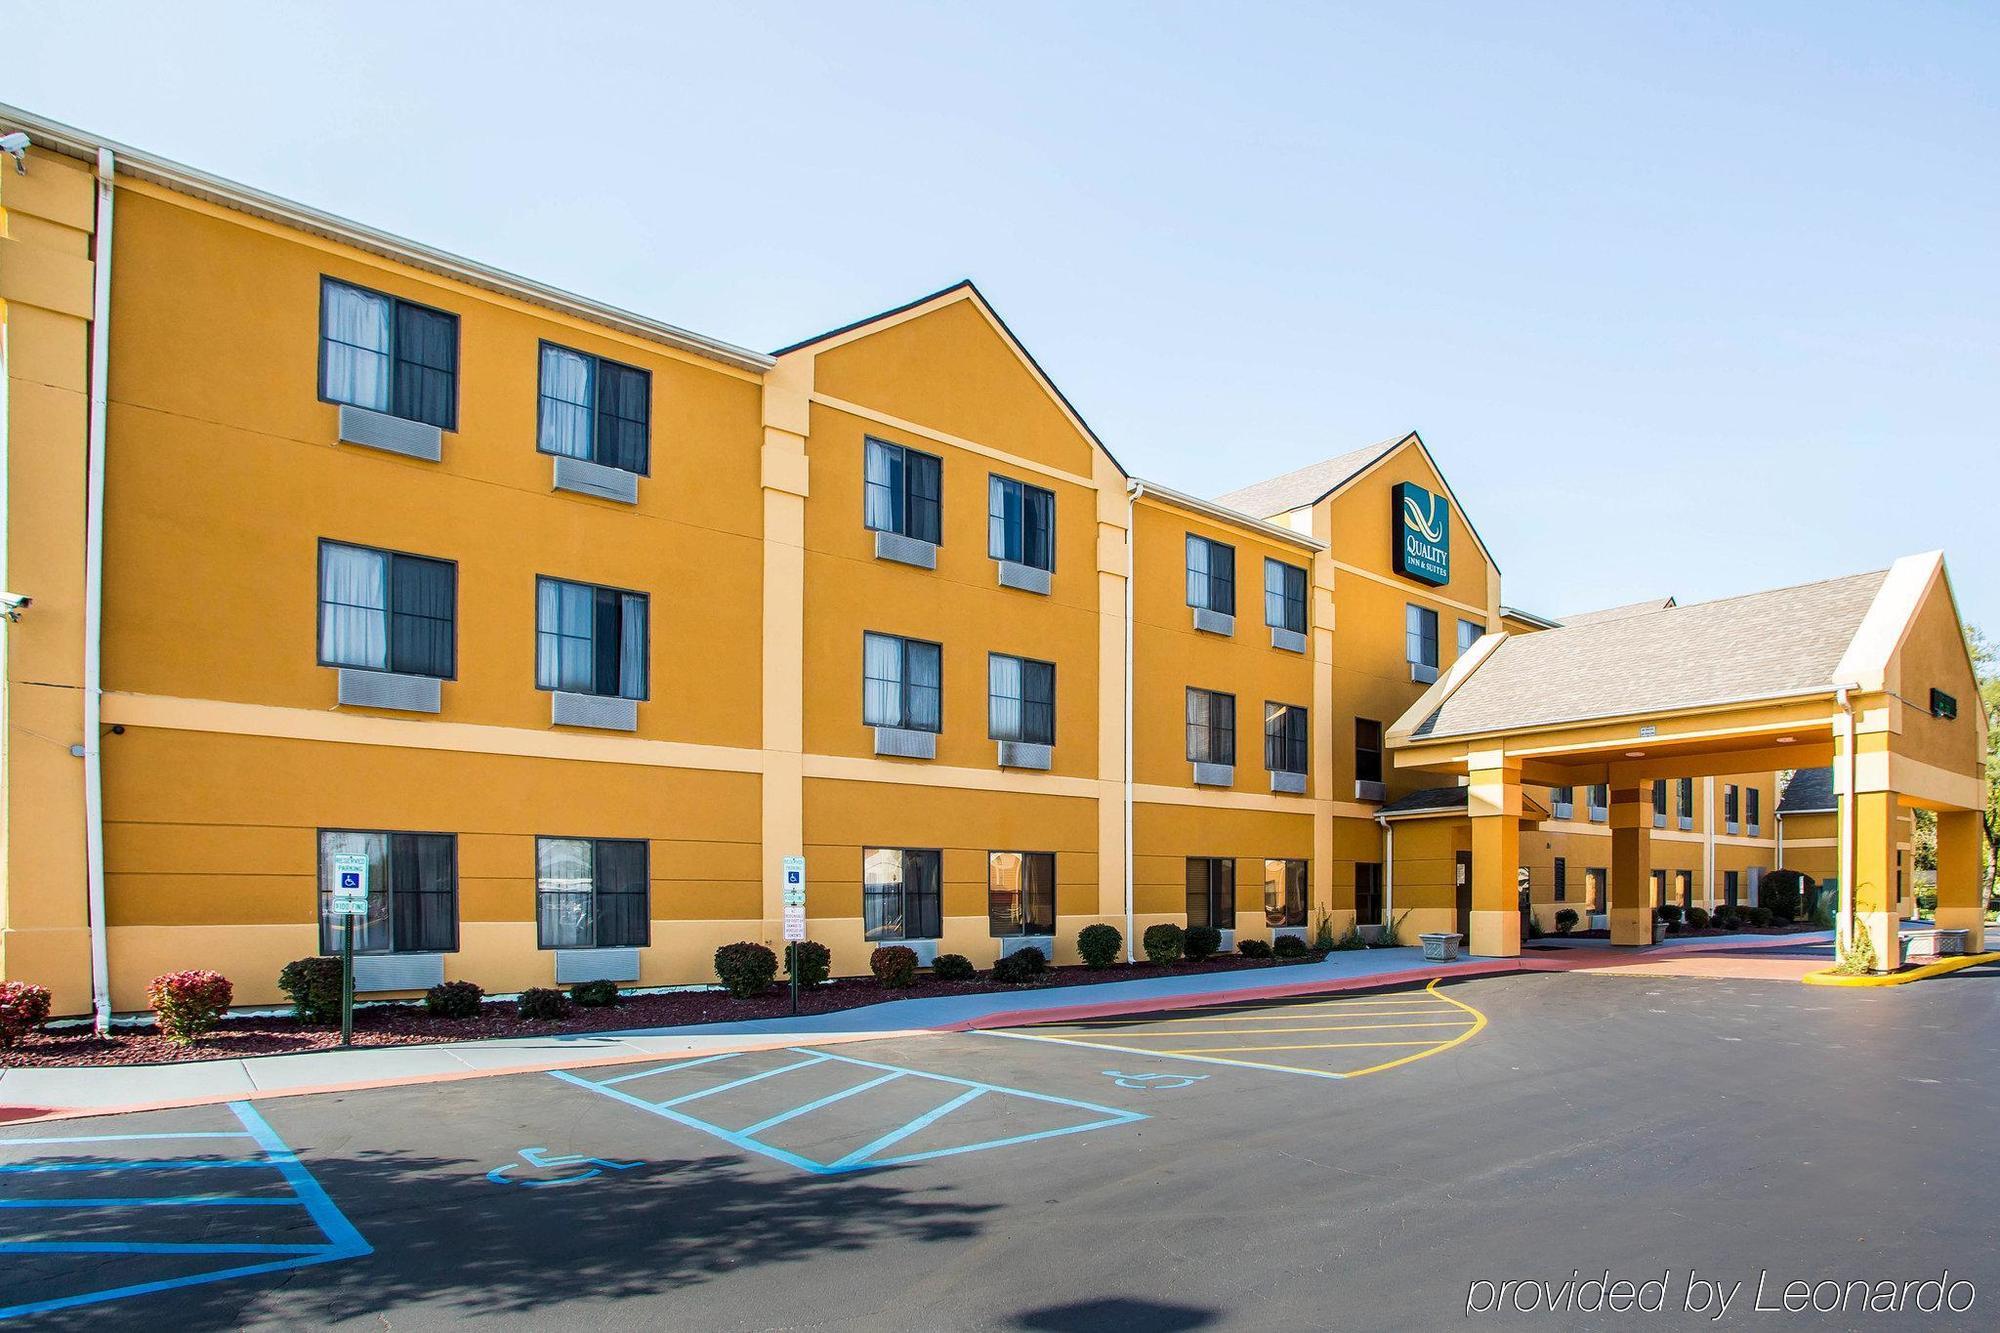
(12, 604)
(15, 145)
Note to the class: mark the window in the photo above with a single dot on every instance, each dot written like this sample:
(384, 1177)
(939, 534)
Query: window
(1660, 803)
(1020, 893)
(1684, 884)
(1284, 738)
(1284, 893)
(1468, 634)
(412, 892)
(901, 491)
(1600, 803)
(1684, 802)
(1754, 812)
(1284, 596)
(1020, 523)
(1593, 883)
(591, 893)
(1020, 699)
(1367, 750)
(1420, 636)
(1211, 892)
(1211, 727)
(594, 409)
(1659, 878)
(1731, 888)
(1211, 575)
(1562, 802)
(1732, 803)
(1562, 879)
(590, 640)
(384, 611)
(387, 355)
(900, 894)
(1368, 893)
(901, 683)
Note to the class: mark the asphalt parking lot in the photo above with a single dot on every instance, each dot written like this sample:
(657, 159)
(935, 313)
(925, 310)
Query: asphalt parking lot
(1347, 1161)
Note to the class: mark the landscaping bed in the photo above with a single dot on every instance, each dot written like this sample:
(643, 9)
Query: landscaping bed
(411, 1024)
(1794, 928)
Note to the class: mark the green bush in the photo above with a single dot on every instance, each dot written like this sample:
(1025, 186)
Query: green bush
(746, 968)
(1669, 913)
(1534, 927)
(1566, 919)
(1323, 939)
(1783, 891)
(1760, 918)
(1289, 947)
(1725, 918)
(1256, 948)
(953, 967)
(1163, 943)
(814, 962)
(1200, 943)
(541, 1004)
(1857, 956)
(1823, 907)
(594, 994)
(314, 987)
(1391, 936)
(894, 965)
(453, 999)
(1099, 944)
(1698, 918)
(1351, 938)
(1022, 965)
(24, 1007)
(187, 1004)
(1927, 901)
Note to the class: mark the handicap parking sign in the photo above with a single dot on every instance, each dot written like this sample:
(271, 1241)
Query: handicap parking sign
(350, 885)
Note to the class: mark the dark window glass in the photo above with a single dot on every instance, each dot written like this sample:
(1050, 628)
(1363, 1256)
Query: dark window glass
(384, 611)
(1211, 575)
(1368, 893)
(1020, 523)
(900, 894)
(901, 683)
(1684, 799)
(1021, 699)
(593, 409)
(1284, 596)
(590, 640)
(1284, 738)
(1420, 635)
(412, 892)
(1211, 727)
(1659, 803)
(1562, 879)
(388, 355)
(1021, 893)
(1367, 750)
(1731, 888)
(1562, 802)
(1211, 892)
(1755, 812)
(901, 491)
(1659, 887)
(591, 893)
(1600, 800)
(1284, 893)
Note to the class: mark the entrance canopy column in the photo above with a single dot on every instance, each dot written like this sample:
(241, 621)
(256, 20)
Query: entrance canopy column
(1630, 900)
(1494, 802)
(1960, 895)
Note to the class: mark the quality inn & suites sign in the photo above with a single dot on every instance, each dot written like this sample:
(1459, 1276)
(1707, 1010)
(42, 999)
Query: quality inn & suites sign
(1423, 534)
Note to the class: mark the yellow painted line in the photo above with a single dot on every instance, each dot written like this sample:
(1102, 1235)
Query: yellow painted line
(1479, 1025)
(1178, 1031)
(1135, 1050)
(1265, 1016)
(1940, 968)
(1300, 1046)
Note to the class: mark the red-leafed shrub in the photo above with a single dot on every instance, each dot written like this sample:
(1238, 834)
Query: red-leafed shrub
(746, 968)
(187, 1004)
(894, 964)
(24, 1007)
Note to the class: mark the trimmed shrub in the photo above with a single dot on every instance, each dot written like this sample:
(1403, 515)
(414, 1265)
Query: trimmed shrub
(894, 964)
(1201, 942)
(314, 987)
(1566, 919)
(1163, 943)
(594, 994)
(1784, 892)
(24, 1007)
(1099, 944)
(1926, 902)
(814, 962)
(1351, 938)
(746, 968)
(1669, 913)
(454, 999)
(1022, 965)
(1725, 918)
(188, 1004)
(1758, 917)
(1291, 946)
(953, 967)
(1256, 948)
(541, 1004)
(1698, 918)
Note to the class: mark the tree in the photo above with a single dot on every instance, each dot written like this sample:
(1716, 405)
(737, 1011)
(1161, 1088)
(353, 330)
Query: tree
(1986, 667)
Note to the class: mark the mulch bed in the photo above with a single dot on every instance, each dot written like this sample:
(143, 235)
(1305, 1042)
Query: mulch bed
(1796, 928)
(409, 1024)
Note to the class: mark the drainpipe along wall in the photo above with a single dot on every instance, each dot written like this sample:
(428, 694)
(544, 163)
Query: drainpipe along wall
(93, 600)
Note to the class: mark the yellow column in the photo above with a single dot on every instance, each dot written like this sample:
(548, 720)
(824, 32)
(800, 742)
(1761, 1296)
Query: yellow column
(1630, 895)
(1874, 888)
(1494, 802)
(787, 421)
(1960, 836)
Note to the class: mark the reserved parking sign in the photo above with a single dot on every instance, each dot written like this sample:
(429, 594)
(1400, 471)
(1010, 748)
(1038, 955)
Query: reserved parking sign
(350, 885)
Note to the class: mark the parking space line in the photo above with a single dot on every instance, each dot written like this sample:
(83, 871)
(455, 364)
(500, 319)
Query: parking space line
(1267, 1017)
(1315, 1027)
(160, 1201)
(827, 1100)
(1172, 1055)
(1293, 1046)
(668, 1069)
(901, 1132)
(1478, 1026)
(737, 1083)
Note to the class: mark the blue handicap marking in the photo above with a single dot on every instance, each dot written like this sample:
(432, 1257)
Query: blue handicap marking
(1153, 1082)
(887, 1126)
(540, 1157)
(48, 1224)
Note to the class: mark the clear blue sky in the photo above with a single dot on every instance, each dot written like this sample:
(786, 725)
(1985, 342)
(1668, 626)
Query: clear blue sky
(1686, 298)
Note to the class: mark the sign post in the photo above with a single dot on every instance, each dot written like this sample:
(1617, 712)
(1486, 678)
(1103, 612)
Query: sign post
(350, 899)
(795, 919)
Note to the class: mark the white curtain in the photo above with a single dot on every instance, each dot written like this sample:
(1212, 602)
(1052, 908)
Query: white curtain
(566, 411)
(1003, 693)
(563, 893)
(563, 658)
(354, 607)
(355, 326)
(632, 646)
(925, 691)
(882, 676)
(883, 485)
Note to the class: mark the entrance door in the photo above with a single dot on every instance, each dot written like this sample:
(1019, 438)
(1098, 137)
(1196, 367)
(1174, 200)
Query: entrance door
(1465, 896)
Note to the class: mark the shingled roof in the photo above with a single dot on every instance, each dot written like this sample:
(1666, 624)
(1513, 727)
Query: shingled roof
(1739, 648)
(1810, 792)
(1309, 485)
(1618, 612)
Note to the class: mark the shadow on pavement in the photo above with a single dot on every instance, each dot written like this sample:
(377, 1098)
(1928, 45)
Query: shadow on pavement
(1115, 1313)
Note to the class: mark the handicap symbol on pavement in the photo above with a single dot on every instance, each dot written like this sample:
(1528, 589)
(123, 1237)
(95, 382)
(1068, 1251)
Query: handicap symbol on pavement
(1153, 1082)
(540, 1157)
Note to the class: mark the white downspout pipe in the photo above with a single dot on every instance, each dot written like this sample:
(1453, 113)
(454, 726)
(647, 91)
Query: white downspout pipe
(1388, 870)
(1843, 925)
(1133, 490)
(93, 600)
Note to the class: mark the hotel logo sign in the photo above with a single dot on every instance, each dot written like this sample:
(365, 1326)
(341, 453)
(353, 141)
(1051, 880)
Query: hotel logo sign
(1423, 534)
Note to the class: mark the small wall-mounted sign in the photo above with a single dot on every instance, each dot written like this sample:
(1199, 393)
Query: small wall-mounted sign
(1648, 731)
(1943, 705)
(1422, 524)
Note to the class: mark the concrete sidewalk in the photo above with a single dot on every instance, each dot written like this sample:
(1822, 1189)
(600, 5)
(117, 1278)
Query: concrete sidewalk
(27, 1094)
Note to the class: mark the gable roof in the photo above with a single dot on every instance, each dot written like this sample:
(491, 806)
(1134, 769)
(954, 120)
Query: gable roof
(1619, 612)
(971, 292)
(1449, 801)
(1308, 485)
(1810, 792)
(1788, 641)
